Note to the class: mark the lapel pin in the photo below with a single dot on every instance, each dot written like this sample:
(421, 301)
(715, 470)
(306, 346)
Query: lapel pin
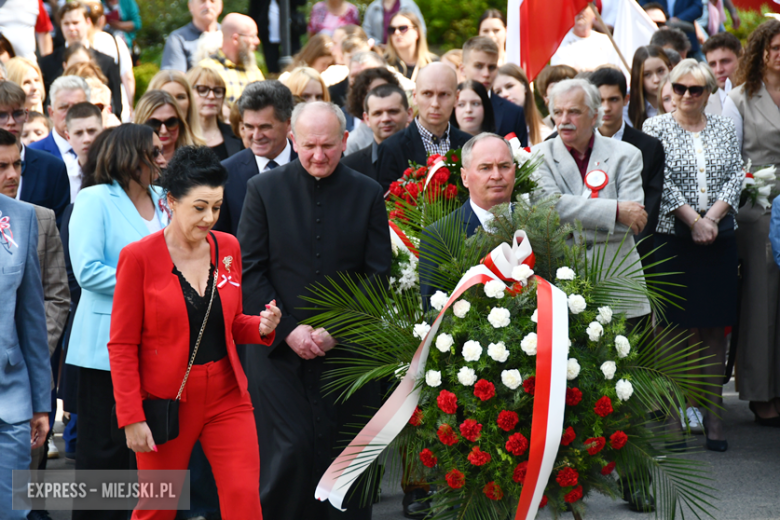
(228, 261)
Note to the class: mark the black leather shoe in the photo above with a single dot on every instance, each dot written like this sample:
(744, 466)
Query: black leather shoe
(764, 421)
(714, 445)
(417, 504)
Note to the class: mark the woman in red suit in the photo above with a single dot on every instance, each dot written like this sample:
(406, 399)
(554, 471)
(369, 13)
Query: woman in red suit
(164, 285)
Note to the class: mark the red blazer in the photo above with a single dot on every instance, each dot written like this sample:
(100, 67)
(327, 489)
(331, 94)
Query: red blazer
(149, 347)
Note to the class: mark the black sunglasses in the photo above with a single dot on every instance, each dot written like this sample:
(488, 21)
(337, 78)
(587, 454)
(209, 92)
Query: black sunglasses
(20, 116)
(680, 89)
(172, 123)
(203, 91)
(401, 28)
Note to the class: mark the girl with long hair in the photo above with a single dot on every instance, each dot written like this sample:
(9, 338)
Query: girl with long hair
(407, 48)
(648, 70)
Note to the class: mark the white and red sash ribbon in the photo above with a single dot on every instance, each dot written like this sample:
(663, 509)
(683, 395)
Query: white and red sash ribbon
(399, 238)
(549, 400)
(433, 169)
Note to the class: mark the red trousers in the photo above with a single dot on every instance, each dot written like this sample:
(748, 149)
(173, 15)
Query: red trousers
(216, 414)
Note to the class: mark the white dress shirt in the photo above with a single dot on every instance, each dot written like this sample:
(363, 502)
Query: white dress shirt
(281, 159)
(483, 215)
(71, 163)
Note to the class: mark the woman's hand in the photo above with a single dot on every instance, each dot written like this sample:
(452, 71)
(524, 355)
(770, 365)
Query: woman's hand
(269, 318)
(139, 437)
(704, 232)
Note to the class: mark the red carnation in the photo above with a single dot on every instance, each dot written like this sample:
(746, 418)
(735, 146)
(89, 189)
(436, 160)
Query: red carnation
(478, 457)
(433, 159)
(493, 491)
(618, 439)
(447, 401)
(453, 158)
(450, 192)
(407, 173)
(484, 390)
(517, 444)
(417, 417)
(543, 502)
(573, 396)
(455, 479)
(529, 385)
(441, 176)
(396, 189)
(470, 430)
(397, 214)
(507, 420)
(568, 436)
(413, 190)
(573, 495)
(428, 458)
(519, 474)
(595, 444)
(609, 468)
(447, 435)
(603, 407)
(421, 171)
(567, 477)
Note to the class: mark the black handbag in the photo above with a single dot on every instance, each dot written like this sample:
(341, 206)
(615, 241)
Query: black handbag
(725, 227)
(162, 415)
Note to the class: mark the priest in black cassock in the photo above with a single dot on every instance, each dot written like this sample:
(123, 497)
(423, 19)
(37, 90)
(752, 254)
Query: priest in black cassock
(303, 222)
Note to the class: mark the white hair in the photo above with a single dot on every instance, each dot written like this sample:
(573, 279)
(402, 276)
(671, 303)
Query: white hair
(468, 148)
(592, 96)
(301, 108)
(700, 71)
(68, 83)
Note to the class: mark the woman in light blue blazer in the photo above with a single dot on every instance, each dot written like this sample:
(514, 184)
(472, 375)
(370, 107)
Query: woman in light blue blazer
(121, 207)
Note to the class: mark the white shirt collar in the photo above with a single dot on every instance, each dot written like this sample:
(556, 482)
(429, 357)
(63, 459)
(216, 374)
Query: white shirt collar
(281, 159)
(483, 215)
(619, 134)
(61, 143)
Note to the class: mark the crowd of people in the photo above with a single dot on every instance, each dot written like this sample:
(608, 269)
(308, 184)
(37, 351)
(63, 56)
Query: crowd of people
(216, 200)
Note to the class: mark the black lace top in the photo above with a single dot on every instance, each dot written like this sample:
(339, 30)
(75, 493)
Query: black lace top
(212, 346)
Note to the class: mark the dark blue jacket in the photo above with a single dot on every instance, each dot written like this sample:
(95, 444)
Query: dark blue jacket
(509, 118)
(47, 145)
(45, 181)
(687, 11)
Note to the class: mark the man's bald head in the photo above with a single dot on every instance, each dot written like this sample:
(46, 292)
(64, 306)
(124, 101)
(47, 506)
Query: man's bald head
(436, 95)
(319, 136)
(239, 38)
(437, 70)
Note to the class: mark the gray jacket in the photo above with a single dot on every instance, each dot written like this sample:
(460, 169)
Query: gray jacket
(374, 18)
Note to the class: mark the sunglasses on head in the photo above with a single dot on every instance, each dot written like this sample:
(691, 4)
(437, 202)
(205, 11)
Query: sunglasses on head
(680, 89)
(400, 28)
(20, 116)
(172, 123)
(203, 91)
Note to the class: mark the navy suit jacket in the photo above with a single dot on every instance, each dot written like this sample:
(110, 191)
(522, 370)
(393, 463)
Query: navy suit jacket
(466, 221)
(685, 10)
(47, 145)
(45, 181)
(509, 118)
(241, 167)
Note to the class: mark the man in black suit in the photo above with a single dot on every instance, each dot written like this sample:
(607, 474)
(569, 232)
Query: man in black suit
(480, 63)
(265, 108)
(305, 223)
(387, 112)
(429, 133)
(76, 26)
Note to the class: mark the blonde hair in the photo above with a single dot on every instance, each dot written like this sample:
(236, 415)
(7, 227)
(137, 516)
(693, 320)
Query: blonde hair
(174, 76)
(154, 99)
(661, 109)
(421, 52)
(300, 77)
(198, 73)
(86, 70)
(17, 68)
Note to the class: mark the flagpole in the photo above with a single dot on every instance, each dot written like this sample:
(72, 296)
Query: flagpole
(609, 34)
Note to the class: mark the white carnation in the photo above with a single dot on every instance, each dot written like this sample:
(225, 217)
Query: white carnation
(433, 378)
(499, 317)
(421, 330)
(622, 346)
(444, 342)
(521, 156)
(576, 303)
(572, 369)
(438, 300)
(608, 368)
(565, 273)
(471, 350)
(495, 289)
(460, 308)
(624, 389)
(595, 331)
(498, 352)
(535, 316)
(511, 378)
(467, 376)
(605, 315)
(568, 346)
(522, 273)
(528, 344)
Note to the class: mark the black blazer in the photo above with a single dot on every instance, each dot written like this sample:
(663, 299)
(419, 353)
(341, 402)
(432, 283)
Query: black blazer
(241, 167)
(51, 68)
(509, 118)
(396, 151)
(45, 182)
(338, 92)
(361, 162)
(233, 144)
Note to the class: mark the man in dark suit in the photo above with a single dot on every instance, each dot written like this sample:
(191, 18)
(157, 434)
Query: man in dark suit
(44, 180)
(265, 108)
(302, 224)
(66, 91)
(480, 63)
(429, 133)
(387, 112)
(76, 26)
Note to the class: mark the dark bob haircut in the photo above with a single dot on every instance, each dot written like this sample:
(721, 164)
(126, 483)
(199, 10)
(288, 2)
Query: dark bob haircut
(192, 167)
(129, 147)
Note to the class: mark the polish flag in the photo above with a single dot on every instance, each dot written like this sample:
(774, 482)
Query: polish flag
(535, 28)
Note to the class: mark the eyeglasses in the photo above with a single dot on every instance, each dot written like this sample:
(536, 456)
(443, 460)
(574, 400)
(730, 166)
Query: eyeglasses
(20, 116)
(680, 89)
(171, 123)
(203, 91)
(401, 28)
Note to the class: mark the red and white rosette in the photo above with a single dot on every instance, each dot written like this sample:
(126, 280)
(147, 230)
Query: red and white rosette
(549, 398)
(595, 181)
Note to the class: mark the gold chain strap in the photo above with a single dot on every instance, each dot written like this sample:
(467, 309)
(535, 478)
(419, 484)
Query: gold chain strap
(200, 334)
